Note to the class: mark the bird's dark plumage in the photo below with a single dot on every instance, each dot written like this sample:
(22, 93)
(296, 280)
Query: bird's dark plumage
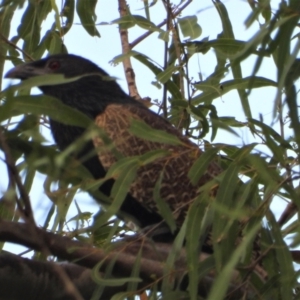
(103, 100)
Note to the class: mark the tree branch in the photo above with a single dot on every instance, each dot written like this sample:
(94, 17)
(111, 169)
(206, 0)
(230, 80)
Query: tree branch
(129, 72)
(123, 255)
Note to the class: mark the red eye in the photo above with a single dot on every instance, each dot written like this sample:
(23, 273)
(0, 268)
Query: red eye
(54, 65)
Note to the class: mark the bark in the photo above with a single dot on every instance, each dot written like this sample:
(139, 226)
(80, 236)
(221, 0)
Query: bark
(41, 281)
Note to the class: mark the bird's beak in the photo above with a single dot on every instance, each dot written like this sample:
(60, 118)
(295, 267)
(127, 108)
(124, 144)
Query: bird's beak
(25, 71)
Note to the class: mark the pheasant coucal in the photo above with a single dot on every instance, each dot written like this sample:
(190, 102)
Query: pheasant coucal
(112, 109)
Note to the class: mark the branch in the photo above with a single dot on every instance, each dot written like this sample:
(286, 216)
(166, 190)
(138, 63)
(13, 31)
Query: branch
(32, 231)
(123, 255)
(8, 42)
(129, 72)
(39, 280)
(145, 35)
(14, 175)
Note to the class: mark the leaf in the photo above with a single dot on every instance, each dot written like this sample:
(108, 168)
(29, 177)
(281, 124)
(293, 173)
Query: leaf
(164, 35)
(86, 12)
(267, 175)
(167, 284)
(268, 131)
(199, 168)
(152, 155)
(129, 21)
(56, 43)
(142, 130)
(163, 207)
(212, 91)
(170, 85)
(52, 107)
(235, 65)
(225, 46)
(199, 219)
(165, 75)
(225, 229)
(125, 22)
(155, 68)
(122, 164)
(190, 27)
(196, 112)
(68, 12)
(222, 281)
(120, 189)
(284, 259)
(110, 281)
(133, 286)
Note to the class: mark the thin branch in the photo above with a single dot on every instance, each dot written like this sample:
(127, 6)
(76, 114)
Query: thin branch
(178, 51)
(33, 232)
(15, 46)
(165, 91)
(129, 72)
(26, 210)
(145, 35)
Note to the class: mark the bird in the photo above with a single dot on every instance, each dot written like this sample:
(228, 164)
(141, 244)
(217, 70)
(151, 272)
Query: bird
(104, 101)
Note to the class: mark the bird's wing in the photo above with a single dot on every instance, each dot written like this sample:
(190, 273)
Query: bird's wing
(176, 188)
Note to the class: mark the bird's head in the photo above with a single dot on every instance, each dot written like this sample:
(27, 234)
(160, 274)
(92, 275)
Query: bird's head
(66, 64)
(90, 92)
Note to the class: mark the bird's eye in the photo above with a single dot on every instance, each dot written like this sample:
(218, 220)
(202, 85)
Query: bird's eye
(54, 65)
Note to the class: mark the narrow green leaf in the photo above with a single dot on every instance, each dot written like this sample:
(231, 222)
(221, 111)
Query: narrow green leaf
(56, 43)
(170, 85)
(162, 206)
(144, 131)
(235, 66)
(119, 191)
(225, 230)
(269, 131)
(122, 164)
(52, 107)
(167, 284)
(86, 12)
(196, 112)
(268, 175)
(129, 21)
(133, 286)
(213, 91)
(152, 156)
(68, 12)
(51, 79)
(199, 220)
(222, 281)
(199, 168)
(164, 76)
(145, 23)
(284, 259)
(125, 22)
(110, 281)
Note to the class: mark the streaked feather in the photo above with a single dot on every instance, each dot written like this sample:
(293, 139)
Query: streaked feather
(176, 189)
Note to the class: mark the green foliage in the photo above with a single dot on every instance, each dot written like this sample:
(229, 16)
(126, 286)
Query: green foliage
(254, 174)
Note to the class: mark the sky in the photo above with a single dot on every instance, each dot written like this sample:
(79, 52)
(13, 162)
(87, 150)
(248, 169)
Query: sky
(103, 50)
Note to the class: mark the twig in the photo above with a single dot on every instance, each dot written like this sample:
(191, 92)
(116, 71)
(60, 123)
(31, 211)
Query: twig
(145, 35)
(15, 177)
(178, 51)
(26, 210)
(165, 91)
(15, 46)
(129, 73)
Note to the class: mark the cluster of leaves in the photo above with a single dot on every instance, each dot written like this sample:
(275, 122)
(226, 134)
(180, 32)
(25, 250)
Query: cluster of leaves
(193, 111)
